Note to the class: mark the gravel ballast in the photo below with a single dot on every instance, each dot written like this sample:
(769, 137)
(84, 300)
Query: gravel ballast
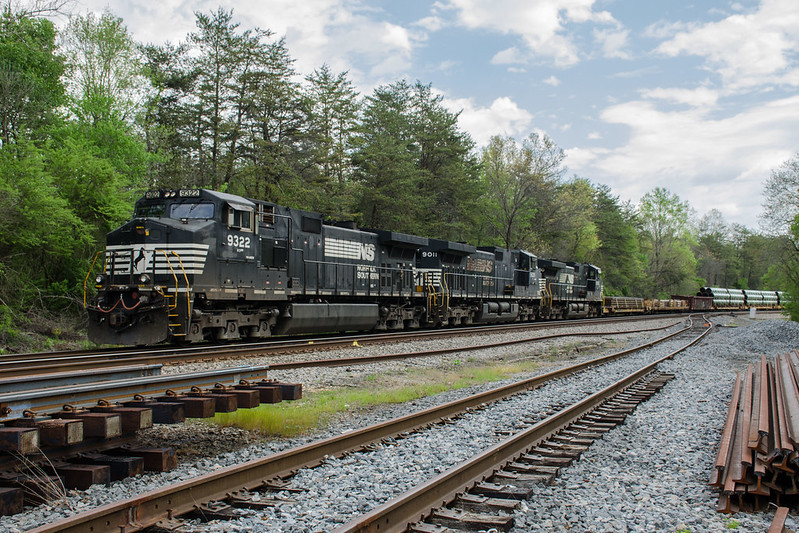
(650, 474)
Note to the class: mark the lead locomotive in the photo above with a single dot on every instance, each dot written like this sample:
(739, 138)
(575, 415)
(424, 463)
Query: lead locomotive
(198, 264)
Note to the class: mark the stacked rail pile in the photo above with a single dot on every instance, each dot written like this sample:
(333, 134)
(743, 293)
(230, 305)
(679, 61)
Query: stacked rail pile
(757, 460)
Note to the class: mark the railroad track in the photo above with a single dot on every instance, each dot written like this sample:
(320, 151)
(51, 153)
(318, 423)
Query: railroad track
(497, 479)
(269, 473)
(482, 493)
(21, 365)
(71, 416)
(118, 384)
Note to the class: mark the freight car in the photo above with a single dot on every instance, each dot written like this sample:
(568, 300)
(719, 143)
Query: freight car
(707, 299)
(627, 305)
(737, 299)
(197, 264)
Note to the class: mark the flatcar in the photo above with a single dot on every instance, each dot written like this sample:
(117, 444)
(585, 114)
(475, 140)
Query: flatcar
(197, 264)
(737, 299)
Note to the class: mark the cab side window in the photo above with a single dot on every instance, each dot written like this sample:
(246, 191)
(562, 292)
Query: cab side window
(240, 219)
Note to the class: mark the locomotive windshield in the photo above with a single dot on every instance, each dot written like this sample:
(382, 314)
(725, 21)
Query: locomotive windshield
(150, 211)
(176, 210)
(200, 210)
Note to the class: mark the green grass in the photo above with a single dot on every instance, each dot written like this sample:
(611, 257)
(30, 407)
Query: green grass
(314, 410)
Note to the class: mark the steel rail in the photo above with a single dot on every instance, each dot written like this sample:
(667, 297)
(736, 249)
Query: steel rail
(397, 514)
(57, 379)
(346, 361)
(203, 351)
(148, 509)
(27, 368)
(14, 404)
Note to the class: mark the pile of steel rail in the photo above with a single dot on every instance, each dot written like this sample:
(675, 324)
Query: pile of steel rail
(757, 462)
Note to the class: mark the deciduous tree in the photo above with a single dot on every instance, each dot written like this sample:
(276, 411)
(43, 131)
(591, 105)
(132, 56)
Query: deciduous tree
(665, 238)
(521, 183)
(31, 91)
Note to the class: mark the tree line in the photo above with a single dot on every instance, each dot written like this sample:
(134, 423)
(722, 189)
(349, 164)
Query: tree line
(89, 119)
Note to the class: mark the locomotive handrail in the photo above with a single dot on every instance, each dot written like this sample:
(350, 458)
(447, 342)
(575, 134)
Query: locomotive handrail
(168, 264)
(89, 273)
(546, 296)
(431, 292)
(444, 292)
(188, 291)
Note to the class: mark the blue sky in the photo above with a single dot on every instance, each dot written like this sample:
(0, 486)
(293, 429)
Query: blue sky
(697, 97)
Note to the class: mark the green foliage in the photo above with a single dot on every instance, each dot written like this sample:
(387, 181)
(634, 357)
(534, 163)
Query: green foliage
(792, 269)
(8, 330)
(105, 69)
(573, 230)
(618, 254)
(41, 239)
(413, 165)
(520, 184)
(666, 240)
(98, 170)
(34, 219)
(332, 122)
(31, 90)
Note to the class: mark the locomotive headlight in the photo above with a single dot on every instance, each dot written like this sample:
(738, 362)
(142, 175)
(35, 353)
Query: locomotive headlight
(99, 279)
(144, 279)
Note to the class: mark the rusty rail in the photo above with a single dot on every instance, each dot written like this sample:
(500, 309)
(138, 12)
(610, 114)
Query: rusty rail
(757, 460)
(778, 524)
(163, 504)
(396, 515)
(28, 364)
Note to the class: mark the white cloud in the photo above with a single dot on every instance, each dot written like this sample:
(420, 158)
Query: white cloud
(502, 117)
(693, 97)
(430, 23)
(553, 81)
(711, 163)
(345, 34)
(540, 24)
(508, 56)
(613, 43)
(745, 50)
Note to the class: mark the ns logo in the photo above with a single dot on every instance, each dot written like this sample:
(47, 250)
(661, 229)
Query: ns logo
(367, 252)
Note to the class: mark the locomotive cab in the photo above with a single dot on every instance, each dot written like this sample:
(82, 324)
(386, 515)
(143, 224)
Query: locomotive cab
(154, 263)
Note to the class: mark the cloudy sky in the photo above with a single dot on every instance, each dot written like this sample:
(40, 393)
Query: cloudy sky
(699, 97)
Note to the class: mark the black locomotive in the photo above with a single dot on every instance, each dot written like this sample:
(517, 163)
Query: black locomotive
(199, 264)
